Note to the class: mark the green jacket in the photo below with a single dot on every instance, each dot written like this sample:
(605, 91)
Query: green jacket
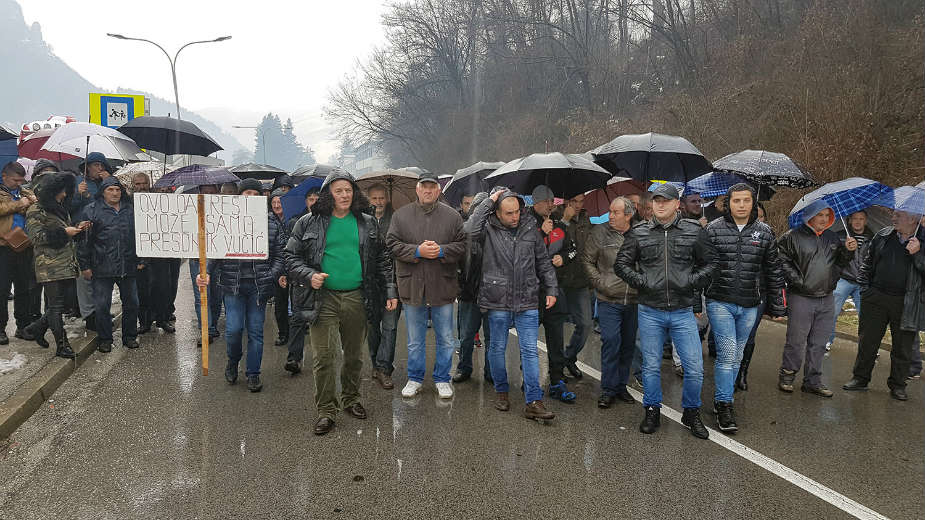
(54, 251)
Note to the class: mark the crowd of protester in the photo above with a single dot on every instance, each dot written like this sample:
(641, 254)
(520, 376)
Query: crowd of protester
(661, 276)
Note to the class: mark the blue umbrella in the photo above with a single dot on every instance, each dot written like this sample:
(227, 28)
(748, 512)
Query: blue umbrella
(718, 183)
(844, 197)
(679, 185)
(910, 199)
(294, 201)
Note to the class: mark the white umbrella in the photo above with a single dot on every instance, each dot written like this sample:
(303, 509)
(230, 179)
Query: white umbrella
(81, 138)
(154, 169)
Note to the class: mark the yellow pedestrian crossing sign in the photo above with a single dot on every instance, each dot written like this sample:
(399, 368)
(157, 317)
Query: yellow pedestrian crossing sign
(114, 110)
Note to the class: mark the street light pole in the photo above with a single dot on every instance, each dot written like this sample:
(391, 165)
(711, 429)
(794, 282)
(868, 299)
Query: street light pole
(173, 61)
(263, 139)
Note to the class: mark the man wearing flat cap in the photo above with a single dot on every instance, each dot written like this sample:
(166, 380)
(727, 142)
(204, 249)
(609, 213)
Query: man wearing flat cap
(427, 242)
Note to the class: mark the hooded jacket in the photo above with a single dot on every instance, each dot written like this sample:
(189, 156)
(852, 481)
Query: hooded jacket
(812, 262)
(39, 178)
(516, 269)
(669, 264)
(305, 251)
(54, 252)
(747, 263)
(109, 246)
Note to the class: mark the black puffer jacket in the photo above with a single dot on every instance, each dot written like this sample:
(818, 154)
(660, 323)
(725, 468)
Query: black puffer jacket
(748, 265)
(305, 251)
(108, 248)
(851, 272)
(514, 261)
(913, 317)
(668, 264)
(812, 263)
(265, 273)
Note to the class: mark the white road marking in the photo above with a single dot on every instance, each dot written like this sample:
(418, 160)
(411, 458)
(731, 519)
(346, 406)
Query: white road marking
(796, 478)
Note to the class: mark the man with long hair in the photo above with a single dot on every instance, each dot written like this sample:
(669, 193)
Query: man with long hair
(337, 265)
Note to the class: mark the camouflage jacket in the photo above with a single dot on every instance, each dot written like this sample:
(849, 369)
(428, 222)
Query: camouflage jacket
(54, 251)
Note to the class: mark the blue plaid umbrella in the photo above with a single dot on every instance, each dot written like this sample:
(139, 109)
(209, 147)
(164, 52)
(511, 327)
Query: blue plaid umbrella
(910, 199)
(844, 197)
(718, 183)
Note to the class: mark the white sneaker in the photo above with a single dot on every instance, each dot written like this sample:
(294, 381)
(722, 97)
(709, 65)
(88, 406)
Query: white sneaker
(411, 389)
(445, 390)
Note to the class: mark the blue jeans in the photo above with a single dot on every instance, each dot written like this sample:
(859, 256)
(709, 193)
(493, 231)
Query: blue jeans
(470, 319)
(731, 325)
(416, 322)
(527, 324)
(843, 290)
(240, 309)
(618, 344)
(212, 293)
(654, 326)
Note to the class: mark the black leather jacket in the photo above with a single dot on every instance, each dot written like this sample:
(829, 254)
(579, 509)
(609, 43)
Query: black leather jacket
(515, 265)
(668, 264)
(913, 318)
(748, 265)
(305, 250)
(812, 263)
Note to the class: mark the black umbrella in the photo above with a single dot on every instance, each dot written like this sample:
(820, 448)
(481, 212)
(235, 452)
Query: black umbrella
(314, 170)
(195, 175)
(262, 172)
(169, 135)
(652, 156)
(766, 168)
(567, 175)
(469, 181)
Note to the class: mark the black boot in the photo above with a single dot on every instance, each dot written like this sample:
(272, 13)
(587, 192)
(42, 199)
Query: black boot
(691, 419)
(742, 377)
(37, 330)
(725, 417)
(64, 349)
(652, 421)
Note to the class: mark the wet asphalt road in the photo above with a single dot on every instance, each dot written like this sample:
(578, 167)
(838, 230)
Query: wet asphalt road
(141, 434)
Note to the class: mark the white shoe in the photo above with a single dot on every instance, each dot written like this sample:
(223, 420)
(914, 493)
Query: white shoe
(411, 389)
(445, 390)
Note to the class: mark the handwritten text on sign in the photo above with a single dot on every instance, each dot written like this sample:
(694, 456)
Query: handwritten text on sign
(167, 226)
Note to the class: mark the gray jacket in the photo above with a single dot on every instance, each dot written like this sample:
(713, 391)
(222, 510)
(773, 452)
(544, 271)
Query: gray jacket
(598, 258)
(514, 261)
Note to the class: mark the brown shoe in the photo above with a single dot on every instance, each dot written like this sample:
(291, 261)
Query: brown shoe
(537, 411)
(356, 410)
(384, 380)
(785, 380)
(323, 426)
(501, 403)
(820, 390)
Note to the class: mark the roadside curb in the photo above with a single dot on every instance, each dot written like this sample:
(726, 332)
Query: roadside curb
(838, 334)
(30, 396)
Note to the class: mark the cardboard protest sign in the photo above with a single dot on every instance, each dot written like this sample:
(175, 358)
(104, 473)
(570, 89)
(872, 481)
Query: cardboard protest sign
(166, 226)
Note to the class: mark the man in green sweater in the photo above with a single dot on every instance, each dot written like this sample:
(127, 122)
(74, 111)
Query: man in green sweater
(337, 266)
